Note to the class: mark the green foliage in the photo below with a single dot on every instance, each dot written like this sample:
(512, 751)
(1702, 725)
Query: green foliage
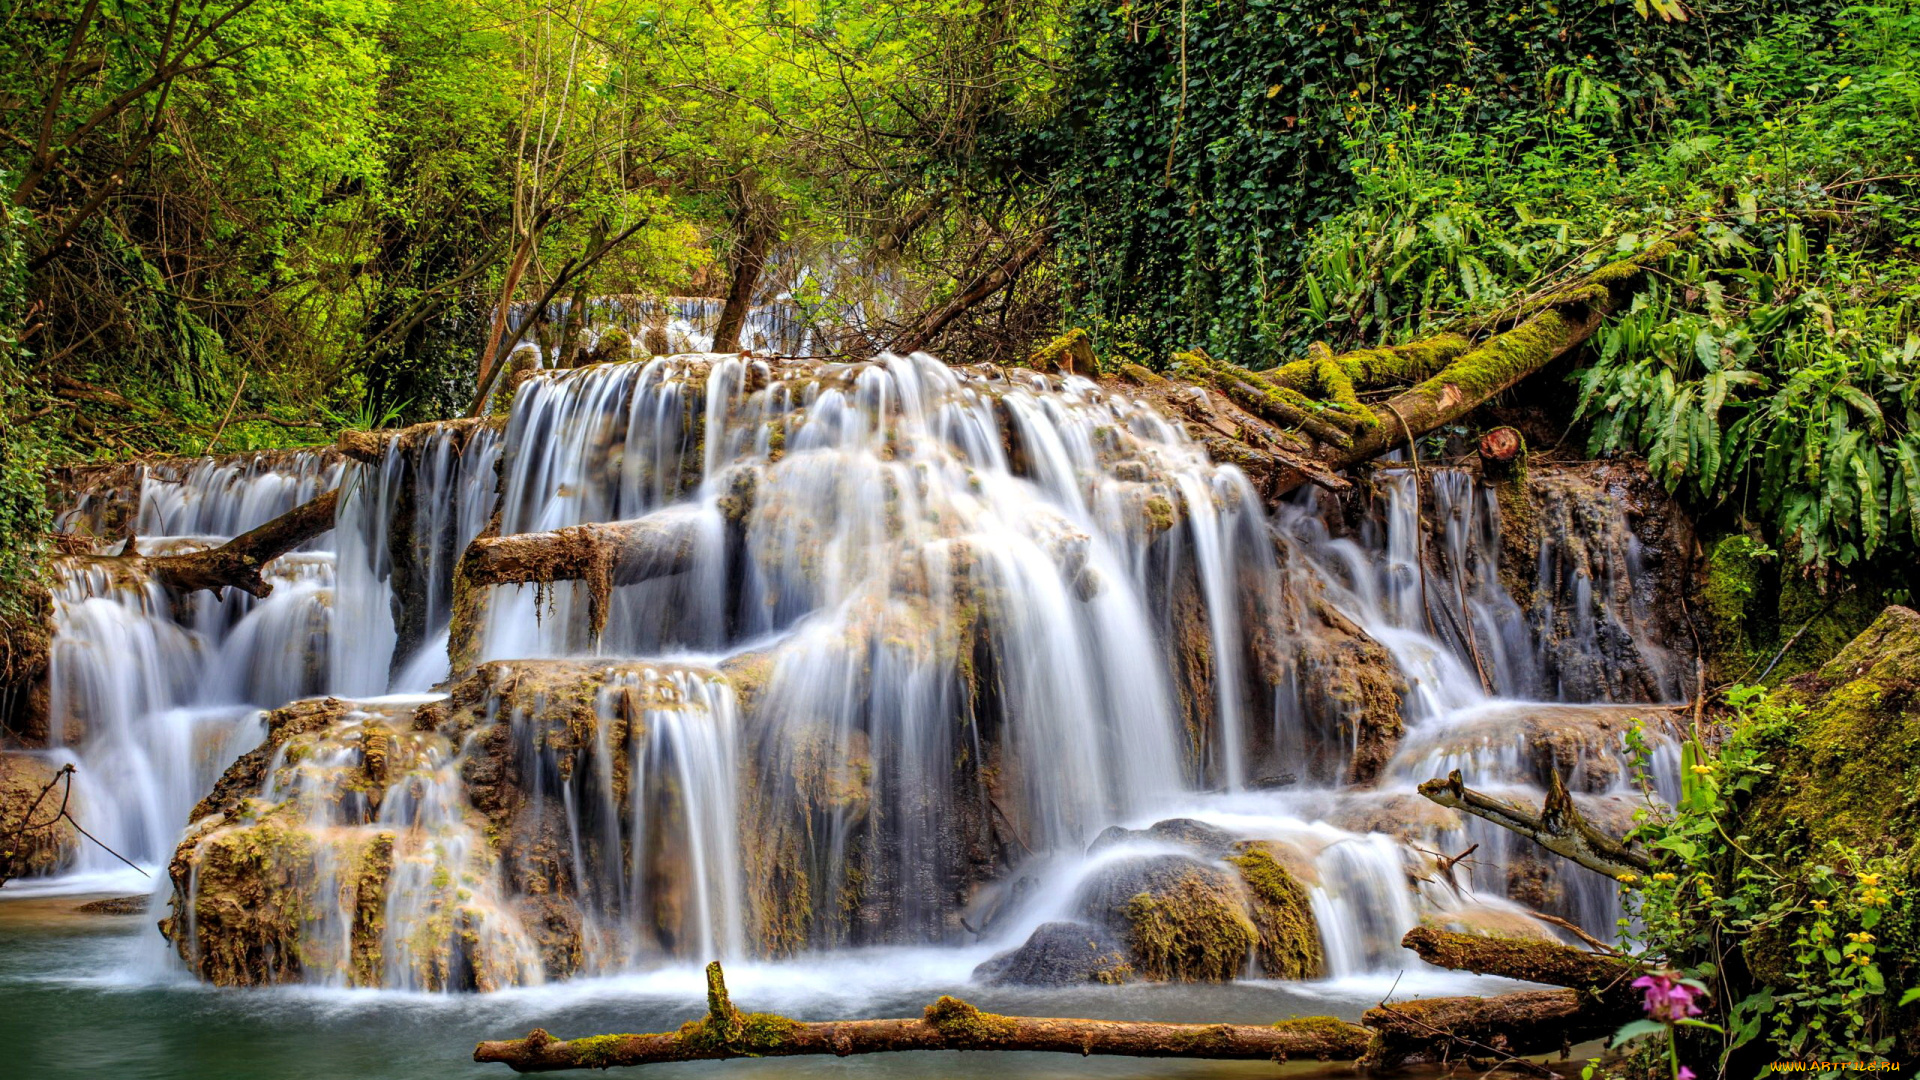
(1214, 150)
(1769, 370)
(23, 489)
(1790, 941)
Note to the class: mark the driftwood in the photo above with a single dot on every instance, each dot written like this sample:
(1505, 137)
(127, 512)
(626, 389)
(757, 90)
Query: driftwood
(929, 325)
(237, 564)
(1559, 827)
(1419, 1031)
(370, 447)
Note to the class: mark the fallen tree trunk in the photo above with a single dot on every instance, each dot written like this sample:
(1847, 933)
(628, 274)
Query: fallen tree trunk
(1559, 827)
(949, 1024)
(238, 563)
(1539, 1021)
(1443, 377)
(1603, 978)
(602, 555)
(1433, 1030)
(613, 552)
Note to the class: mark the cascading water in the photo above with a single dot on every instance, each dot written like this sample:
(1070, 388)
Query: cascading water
(927, 633)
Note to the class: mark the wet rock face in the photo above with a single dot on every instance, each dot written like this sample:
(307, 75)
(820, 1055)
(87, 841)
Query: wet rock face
(1610, 554)
(38, 851)
(1327, 697)
(342, 852)
(1059, 954)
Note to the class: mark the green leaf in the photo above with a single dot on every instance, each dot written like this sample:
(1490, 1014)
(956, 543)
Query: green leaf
(1637, 1028)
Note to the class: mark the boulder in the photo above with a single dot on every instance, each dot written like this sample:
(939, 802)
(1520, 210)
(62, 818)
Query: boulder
(1184, 919)
(1059, 954)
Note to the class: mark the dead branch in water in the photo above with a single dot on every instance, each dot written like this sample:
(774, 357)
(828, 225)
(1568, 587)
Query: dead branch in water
(1559, 827)
(949, 1024)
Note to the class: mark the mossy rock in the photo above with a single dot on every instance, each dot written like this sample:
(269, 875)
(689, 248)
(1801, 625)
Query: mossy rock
(1289, 946)
(1069, 354)
(1848, 769)
(1843, 744)
(1183, 920)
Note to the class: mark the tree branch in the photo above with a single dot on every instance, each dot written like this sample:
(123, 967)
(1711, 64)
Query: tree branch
(1559, 827)
(238, 562)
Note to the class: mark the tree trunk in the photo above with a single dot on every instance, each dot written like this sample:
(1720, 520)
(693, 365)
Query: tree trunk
(1604, 978)
(1440, 1029)
(1559, 827)
(238, 562)
(1559, 322)
(1435, 1030)
(757, 236)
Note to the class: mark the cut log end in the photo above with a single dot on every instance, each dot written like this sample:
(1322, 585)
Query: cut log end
(1502, 446)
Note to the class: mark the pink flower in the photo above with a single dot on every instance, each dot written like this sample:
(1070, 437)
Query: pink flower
(1684, 1074)
(1668, 999)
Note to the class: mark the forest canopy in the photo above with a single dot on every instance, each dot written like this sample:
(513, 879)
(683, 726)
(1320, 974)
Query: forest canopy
(245, 223)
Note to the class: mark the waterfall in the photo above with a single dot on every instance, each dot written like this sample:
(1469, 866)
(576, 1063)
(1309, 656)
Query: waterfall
(929, 632)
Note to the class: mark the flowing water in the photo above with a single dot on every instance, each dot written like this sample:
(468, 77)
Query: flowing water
(927, 633)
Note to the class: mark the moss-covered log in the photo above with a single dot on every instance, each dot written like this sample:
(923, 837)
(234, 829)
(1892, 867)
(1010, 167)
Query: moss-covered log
(1559, 827)
(1604, 978)
(1438, 1029)
(1442, 378)
(1555, 323)
(1433, 1030)
(238, 563)
(949, 1024)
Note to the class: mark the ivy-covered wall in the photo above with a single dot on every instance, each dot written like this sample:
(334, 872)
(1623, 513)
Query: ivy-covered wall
(1202, 136)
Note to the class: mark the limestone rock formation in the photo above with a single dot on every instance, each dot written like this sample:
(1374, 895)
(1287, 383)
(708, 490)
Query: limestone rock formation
(49, 842)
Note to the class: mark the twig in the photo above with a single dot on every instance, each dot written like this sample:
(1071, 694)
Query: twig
(66, 773)
(231, 405)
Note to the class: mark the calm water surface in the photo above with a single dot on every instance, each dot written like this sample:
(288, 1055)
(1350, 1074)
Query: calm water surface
(87, 997)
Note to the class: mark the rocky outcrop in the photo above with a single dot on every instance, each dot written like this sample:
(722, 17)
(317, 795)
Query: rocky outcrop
(1600, 557)
(44, 843)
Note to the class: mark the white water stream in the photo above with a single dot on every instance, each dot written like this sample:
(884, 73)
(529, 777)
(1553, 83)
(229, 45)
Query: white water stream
(977, 595)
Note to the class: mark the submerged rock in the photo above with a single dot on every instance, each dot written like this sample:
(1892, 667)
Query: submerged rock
(1059, 954)
(1201, 837)
(117, 905)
